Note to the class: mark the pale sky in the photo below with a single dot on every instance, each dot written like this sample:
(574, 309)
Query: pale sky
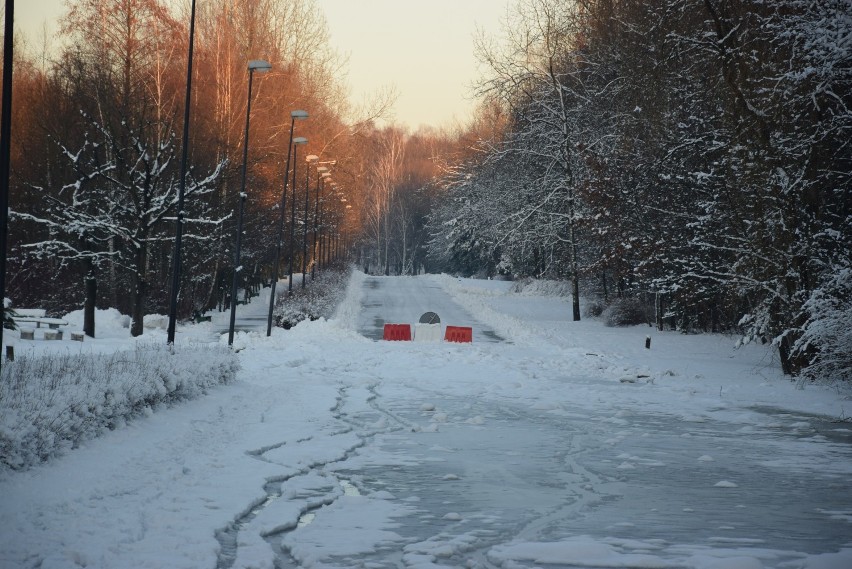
(423, 48)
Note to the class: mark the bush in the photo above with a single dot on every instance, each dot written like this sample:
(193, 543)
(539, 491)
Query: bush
(625, 312)
(593, 308)
(52, 403)
(827, 335)
(318, 300)
(529, 286)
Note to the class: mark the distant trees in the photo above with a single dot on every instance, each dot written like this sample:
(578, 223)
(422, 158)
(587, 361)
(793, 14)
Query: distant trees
(694, 151)
(394, 175)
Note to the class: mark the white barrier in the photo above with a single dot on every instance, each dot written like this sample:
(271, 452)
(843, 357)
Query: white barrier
(427, 332)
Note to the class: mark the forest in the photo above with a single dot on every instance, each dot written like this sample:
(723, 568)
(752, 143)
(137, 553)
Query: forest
(688, 161)
(690, 158)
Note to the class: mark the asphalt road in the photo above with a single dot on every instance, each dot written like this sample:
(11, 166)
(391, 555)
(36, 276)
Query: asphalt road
(403, 300)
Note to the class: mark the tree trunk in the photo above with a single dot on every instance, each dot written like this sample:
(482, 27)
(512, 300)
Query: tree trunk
(660, 308)
(113, 277)
(139, 293)
(575, 283)
(91, 283)
(791, 364)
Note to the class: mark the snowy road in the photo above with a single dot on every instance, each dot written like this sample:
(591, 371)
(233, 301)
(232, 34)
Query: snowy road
(569, 445)
(402, 300)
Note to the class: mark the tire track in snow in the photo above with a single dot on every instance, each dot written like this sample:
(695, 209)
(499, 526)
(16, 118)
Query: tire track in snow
(347, 411)
(228, 537)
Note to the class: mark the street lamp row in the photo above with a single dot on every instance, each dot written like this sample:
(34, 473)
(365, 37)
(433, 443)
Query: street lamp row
(261, 66)
(294, 116)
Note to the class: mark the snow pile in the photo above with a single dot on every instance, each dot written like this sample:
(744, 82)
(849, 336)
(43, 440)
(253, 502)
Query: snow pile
(108, 323)
(53, 402)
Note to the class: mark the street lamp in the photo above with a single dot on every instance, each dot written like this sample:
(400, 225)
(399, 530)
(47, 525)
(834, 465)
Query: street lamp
(294, 116)
(5, 149)
(296, 142)
(260, 66)
(324, 178)
(310, 159)
(326, 234)
(176, 260)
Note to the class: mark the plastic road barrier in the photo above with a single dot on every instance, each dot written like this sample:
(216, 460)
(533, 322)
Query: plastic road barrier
(397, 332)
(459, 334)
(427, 332)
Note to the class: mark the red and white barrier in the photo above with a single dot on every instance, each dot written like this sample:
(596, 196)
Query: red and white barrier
(427, 332)
(397, 332)
(463, 334)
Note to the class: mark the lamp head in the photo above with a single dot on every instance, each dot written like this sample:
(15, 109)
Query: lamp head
(259, 65)
(322, 169)
(300, 140)
(299, 115)
(311, 158)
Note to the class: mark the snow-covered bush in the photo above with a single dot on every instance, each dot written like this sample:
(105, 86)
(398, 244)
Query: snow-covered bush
(318, 300)
(51, 403)
(540, 287)
(593, 307)
(625, 312)
(9, 315)
(827, 335)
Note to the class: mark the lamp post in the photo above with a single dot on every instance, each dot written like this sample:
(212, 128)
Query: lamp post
(294, 116)
(261, 67)
(323, 177)
(310, 159)
(324, 237)
(5, 150)
(336, 244)
(296, 142)
(173, 298)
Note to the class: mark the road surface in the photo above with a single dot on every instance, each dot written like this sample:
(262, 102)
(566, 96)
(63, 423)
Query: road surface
(402, 300)
(338, 451)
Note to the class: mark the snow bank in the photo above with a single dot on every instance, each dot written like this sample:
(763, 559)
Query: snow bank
(108, 323)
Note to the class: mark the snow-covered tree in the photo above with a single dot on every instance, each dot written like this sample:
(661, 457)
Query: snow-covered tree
(695, 149)
(118, 210)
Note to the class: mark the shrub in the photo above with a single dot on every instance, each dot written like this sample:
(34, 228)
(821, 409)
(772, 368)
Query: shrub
(52, 403)
(625, 312)
(529, 286)
(827, 334)
(318, 300)
(593, 308)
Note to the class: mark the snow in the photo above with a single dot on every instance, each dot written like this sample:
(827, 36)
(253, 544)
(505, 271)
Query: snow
(521, 449)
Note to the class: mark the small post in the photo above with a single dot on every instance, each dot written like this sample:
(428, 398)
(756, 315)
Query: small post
(647, 342)
(10, 353)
